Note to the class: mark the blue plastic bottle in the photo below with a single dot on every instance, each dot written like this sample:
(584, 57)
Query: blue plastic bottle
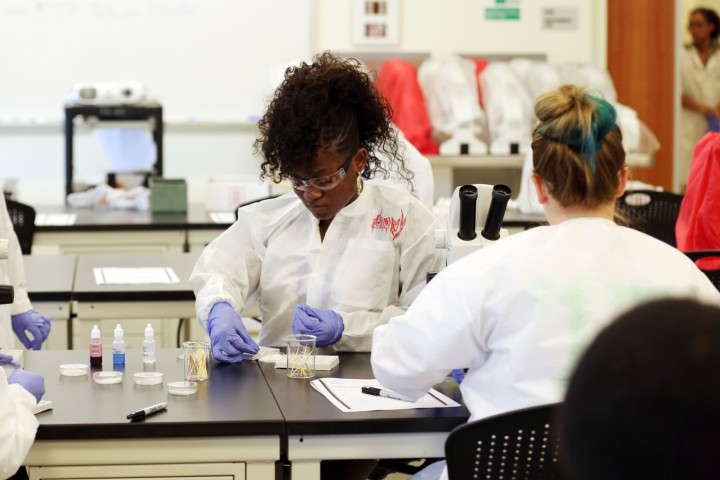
(119, 346)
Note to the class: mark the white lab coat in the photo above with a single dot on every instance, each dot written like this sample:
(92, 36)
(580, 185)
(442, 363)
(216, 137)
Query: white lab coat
(702, 83)
(520, 312)
(11, 273)
(370, 266)
(416, 162)
(18, 425)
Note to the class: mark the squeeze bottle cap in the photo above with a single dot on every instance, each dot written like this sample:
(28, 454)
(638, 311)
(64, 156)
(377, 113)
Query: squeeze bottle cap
(95, 333)
(149, 332)
(118, 331)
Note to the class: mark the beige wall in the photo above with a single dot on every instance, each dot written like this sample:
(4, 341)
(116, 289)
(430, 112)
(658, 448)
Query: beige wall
(459, 26)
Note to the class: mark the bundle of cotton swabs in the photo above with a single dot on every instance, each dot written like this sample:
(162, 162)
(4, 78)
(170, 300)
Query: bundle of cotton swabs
(197, 361)
(297, 363)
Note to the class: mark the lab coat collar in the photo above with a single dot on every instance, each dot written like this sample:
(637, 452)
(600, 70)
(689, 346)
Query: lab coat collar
(358, 207)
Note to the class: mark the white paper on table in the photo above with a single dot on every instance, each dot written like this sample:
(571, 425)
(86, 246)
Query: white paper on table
(134, 276)
(346, 394)
(55, 218)
(222, 217)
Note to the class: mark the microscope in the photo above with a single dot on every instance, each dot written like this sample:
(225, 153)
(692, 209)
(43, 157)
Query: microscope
(7, 293)
(470, 206)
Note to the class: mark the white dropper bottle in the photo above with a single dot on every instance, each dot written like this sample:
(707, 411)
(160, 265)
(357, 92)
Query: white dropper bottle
(149, 345)
(118, 346)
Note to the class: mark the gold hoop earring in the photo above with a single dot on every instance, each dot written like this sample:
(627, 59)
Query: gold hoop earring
(359, 184)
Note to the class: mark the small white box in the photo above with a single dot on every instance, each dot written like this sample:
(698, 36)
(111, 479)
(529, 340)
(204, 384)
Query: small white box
(322, 362)
(225, 194)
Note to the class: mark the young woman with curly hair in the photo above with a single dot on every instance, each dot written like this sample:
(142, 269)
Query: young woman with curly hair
(333, 258)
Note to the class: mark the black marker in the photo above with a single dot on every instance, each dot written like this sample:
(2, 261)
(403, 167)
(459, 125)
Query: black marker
(379, 392)
(138, 414)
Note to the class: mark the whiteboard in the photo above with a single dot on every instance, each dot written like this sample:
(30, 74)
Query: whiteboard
(201, 59)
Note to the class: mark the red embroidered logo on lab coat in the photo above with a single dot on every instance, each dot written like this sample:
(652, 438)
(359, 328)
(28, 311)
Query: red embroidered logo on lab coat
(389, 224)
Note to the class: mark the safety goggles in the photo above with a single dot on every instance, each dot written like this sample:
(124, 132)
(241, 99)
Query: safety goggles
(328, 182)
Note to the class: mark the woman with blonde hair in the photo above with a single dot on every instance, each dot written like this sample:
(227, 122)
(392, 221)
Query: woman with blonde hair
(518, 313)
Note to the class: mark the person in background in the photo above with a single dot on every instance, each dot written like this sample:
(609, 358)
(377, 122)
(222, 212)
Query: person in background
(700, 83)
(334, 258)
(518, 313)
(698, 223)
(20, 391)
(423, 179)
(23, 320)
(642, 402)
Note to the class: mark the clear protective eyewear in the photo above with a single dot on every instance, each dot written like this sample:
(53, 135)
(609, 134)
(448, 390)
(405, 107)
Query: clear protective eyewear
(328, 182)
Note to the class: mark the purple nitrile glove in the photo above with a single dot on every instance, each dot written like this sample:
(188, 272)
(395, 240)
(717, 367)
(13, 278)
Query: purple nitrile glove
(458, 374)
(6, 359)
(30, 381)
(33, 322)
(229, 339)
(326, 325)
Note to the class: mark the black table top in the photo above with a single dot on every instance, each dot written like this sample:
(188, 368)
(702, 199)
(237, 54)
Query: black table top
(104, 218)
(234, 401)
(86, 288)
(308, 412)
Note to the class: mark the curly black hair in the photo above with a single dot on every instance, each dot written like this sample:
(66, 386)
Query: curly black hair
(328, 104)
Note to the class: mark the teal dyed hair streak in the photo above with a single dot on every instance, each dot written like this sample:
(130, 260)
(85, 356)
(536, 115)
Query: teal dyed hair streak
(588, 141)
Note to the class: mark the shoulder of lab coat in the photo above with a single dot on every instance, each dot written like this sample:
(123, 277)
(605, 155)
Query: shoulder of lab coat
(228, 269)
(418, 164)
(18, 425)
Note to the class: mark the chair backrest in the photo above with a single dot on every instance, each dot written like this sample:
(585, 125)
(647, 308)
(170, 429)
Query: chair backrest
(23, 220)
(245, 204)
(522, 444)
(709, 262)
(652, 212)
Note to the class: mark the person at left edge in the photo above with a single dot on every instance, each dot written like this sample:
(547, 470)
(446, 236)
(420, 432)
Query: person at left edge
(333, 258)
(23, 320)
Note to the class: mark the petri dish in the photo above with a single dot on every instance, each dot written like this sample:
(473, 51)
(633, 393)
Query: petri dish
(107, 378)
(182, 388)
(148, 378)
(74, 369)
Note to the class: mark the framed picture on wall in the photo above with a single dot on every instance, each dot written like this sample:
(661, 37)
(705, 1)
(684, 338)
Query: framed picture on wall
(375, 22)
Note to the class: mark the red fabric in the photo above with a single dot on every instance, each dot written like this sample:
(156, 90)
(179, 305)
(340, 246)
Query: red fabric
(480, 65)
(698, 224)
(397, 81)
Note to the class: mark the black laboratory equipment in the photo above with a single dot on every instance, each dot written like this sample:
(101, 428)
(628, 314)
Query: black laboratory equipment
(470, 206)
(90, 114)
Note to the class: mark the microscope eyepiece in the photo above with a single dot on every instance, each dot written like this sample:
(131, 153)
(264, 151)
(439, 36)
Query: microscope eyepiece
(496, 212)
(468, 212)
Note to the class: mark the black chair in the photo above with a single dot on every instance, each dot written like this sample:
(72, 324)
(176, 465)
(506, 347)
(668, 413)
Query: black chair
(712, 273)
(522, 444)
(23, 220)
(651, 212)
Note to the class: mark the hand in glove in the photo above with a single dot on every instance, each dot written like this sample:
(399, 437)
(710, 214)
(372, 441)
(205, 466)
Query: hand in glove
(6, 359)
(458, 374)
(326, 325)
(30, 381)
(229, 338)
(31, 321)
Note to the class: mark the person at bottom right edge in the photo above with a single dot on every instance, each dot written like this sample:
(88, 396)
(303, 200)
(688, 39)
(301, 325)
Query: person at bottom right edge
(642, 402)
(518, 313)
